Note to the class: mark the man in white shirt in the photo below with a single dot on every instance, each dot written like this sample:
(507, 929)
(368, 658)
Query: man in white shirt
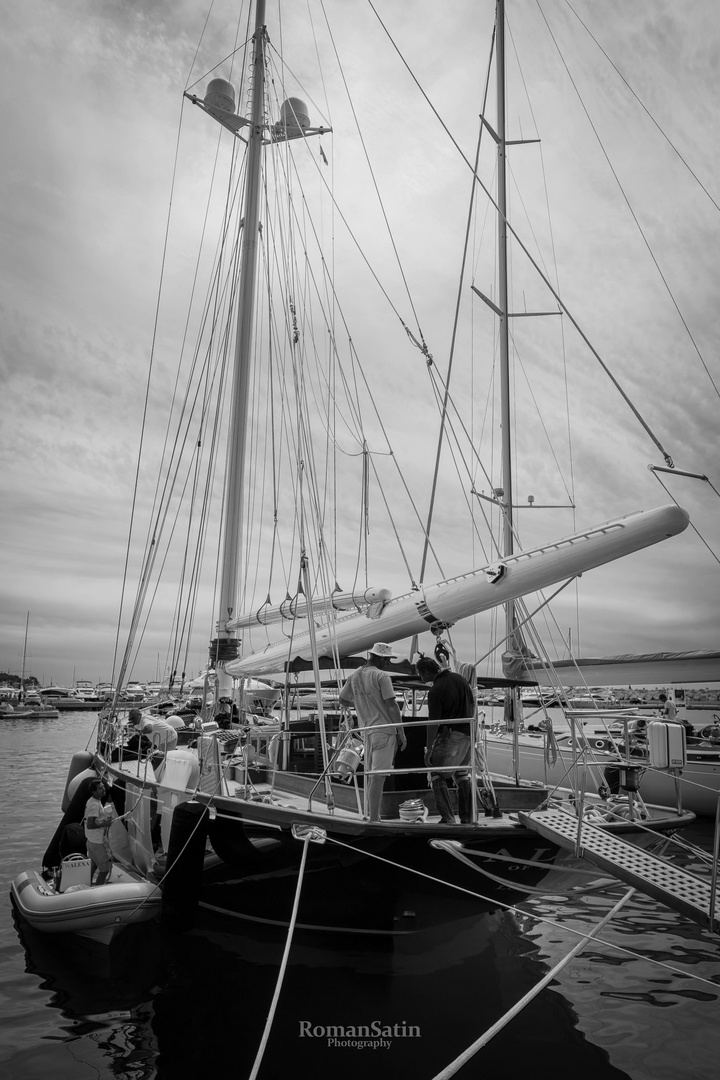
(371, 691)
(163, 734)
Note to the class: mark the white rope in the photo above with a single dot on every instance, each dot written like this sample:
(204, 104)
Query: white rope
(537, 890)
(281, 975)
(453, 1067)
(514, 909)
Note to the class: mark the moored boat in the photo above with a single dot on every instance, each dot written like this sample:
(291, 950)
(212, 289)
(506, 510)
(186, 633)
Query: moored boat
(281, 789)
(30, 711)
(84, 690)
(99, 912)
(600, 743)
(16, 705)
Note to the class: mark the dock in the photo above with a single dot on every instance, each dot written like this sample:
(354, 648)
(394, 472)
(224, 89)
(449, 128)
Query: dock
(671, 885)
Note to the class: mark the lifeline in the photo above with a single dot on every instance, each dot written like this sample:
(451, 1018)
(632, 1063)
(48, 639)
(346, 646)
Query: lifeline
(364, 1031)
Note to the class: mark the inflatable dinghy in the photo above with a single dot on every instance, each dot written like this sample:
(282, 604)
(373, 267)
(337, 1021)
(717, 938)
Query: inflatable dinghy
(98, 912)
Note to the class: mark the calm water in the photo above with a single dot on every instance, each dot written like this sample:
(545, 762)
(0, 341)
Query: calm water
(643, 1004)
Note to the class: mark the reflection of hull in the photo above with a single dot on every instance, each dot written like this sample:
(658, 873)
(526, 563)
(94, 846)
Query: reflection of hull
(490, 958)
(485, 956)
(100, 912)
(479, 590)
(699, 781)
(90, 981)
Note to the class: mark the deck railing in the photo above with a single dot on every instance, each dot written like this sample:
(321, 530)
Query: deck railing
(476, 767)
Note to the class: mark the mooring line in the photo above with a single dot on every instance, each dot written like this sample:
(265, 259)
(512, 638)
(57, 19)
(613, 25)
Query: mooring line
(515, 910)
(462, 1059)
(283, 965)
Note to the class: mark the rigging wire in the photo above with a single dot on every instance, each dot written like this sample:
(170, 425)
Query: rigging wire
(556, 274)
(515, 910)
(163, 493)
(451, 357)
(421, 344)
(647, 112)
(146, 399)
(375, 183)
(352, 399)
(624, 194)
(531, 259)
(692, 524)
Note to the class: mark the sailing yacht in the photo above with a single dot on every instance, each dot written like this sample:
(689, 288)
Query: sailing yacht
(312, 480)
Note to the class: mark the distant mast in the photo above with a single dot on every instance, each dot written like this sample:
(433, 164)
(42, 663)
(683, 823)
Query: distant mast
(22, 677)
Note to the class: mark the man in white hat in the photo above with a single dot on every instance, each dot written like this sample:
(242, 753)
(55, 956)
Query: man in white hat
(371, 691)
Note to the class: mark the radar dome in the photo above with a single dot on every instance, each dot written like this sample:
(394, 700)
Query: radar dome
(220, 94)
(294, 114)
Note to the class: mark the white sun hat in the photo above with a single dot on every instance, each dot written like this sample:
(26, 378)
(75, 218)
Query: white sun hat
(380, 648)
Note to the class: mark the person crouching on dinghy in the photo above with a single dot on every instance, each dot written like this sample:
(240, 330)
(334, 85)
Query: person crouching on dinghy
(97, 820)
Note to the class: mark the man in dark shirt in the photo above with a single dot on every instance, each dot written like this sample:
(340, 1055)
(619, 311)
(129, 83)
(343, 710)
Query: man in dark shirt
(450, 696)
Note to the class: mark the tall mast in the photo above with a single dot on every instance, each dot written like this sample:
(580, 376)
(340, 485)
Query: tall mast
(225, 648)
(507, 488)
(512, 707)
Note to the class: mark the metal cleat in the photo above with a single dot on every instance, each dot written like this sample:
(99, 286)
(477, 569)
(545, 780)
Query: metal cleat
(312, 833)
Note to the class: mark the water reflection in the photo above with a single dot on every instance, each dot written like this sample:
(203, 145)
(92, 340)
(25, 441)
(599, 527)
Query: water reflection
(162, 1007)
(196, 1003)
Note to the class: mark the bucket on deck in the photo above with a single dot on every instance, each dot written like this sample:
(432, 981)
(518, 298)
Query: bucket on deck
(348, 760)
(413, 810)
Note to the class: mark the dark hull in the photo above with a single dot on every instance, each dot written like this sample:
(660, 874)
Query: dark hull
(383, 878)
(392, 885)
(370, 877)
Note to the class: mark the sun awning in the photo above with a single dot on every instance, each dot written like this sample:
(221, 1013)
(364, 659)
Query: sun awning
(633, 669)
(403, 669)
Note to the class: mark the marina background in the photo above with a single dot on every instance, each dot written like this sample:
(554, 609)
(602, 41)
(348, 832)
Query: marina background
(643, 1006)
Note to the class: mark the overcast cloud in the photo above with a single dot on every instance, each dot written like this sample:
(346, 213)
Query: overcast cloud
(92, 92)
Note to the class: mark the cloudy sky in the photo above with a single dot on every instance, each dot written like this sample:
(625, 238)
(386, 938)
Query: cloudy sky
(92, 96)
